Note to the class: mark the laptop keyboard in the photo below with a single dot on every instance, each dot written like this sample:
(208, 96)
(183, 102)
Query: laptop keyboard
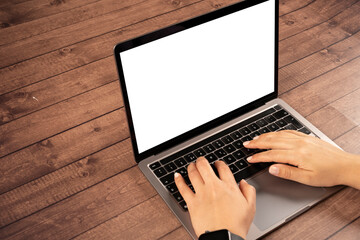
(227, 146)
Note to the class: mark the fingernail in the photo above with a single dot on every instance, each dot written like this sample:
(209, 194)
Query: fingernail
(249, 158)
(177, 174)
(246, 143)
(256, 137)
(244, 180)
(274, 170)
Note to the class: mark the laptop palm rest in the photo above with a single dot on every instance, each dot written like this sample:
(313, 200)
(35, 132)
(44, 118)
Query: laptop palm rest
(278, 199)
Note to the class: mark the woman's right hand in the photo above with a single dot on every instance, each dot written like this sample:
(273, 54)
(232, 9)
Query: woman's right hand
(315, 162)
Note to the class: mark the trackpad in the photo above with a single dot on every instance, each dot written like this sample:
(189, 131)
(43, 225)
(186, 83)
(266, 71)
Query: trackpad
(278, 199)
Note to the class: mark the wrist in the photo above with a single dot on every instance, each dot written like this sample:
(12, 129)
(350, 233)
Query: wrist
(351, 171)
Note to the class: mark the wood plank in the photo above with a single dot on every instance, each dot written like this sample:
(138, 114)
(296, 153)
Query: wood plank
(62, 19)
(311, 15)
(288, 6)
(323, 219)
(40, 95)
(60, 117)
(319, 37)
(11, 15)
(341, 115)
(149, 220)
(177, 234)
(11, 2)
(349, 141)
(319, 63)
(338, 82)
(67, 181)
(56, 152)
(84, 210)
(40, 44)
(349, 232)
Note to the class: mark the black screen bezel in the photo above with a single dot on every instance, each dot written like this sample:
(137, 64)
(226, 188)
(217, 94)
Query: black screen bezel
(141, 40)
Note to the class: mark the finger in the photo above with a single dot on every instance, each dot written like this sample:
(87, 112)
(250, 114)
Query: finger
(225, 173)
(205, 170)
(290, 173)
(280, 156)
(184, 190)
(195, 177)
(248, 191)
(272, 141)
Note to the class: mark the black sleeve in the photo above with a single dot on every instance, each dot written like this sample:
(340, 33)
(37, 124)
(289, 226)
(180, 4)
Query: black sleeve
(219, 235)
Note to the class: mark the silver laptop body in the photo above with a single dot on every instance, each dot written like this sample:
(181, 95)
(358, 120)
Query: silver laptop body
(226, 59)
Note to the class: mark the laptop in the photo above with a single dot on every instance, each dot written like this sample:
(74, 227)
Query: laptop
(202, 87)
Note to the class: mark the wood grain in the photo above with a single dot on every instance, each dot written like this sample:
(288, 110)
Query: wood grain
(66, 163)
(350, 232)
(86, 209)
(54, 153)
(44, 123)
(45, 24)
(26, 11)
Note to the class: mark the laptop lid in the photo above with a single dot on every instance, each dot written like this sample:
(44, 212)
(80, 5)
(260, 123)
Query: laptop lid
(187, 78)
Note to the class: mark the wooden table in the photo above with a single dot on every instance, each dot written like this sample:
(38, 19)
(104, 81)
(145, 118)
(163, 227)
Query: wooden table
(66, 167)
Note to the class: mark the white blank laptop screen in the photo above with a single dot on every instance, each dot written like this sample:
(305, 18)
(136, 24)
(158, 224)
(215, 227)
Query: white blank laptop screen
(187, 79)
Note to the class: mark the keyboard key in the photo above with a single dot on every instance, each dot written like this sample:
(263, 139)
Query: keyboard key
(238, 154)
(233, 168)
(227, 139)
(277, 107)
(211, 157)
(215, 169)
(254, 134)
(264, 130)
(167, 179)
(305, 130)
(166, 160)
(244, 131)
(253, 127)
(229, 159)
(241, 164)
(290, 127)
(238, 144)
(273, 127)
(154, 165)
(180, 162)
(199, 152)
(261, 123)
(183, 205)
(178, 197)
(170, 167)
(209, 148)
(270, 119)
(281, 123)
(183, 171)
(160, 172)
(187, 179)
(192, 188)
(220, 153)
(291, 119)
(247, 138)
(218, 144)
(172, 188)
(280, 114)
(190, 157)
(249, 151)
(235, 135)
(229, 148)
(247, 172)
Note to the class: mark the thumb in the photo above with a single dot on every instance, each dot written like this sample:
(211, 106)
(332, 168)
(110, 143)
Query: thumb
(248, 191)
(290, 173)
